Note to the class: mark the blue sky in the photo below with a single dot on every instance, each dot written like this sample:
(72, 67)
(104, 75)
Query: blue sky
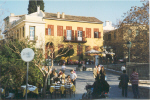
(111, 10)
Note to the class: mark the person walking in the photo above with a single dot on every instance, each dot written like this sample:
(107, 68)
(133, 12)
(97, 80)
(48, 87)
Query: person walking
(73, 77)
(63, 67)
(134, 78)
(124, 78)
(95, 72)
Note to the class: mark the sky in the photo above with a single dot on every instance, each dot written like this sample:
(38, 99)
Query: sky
(111, 10)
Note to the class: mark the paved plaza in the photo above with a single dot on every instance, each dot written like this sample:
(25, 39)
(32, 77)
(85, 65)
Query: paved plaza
(87, 77)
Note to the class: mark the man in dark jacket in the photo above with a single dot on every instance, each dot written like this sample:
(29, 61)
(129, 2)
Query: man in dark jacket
(124, 78)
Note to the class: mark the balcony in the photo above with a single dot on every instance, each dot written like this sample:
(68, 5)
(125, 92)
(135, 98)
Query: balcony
(75, 40)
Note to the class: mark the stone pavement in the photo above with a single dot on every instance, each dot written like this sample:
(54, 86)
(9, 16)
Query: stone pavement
(87, 77)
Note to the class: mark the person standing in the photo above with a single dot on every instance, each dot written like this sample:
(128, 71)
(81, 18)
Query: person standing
(124, 78)
(63, 67)
(95, 72)
(134, 78)
(73, 77)
(84, 67)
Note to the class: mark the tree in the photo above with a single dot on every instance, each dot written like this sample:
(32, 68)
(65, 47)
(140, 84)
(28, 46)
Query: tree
(32, 7)
(13, 68)
(137, 21)
(41, 4)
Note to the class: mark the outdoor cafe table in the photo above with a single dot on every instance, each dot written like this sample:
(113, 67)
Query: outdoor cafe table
(62, 88)
(31, 88)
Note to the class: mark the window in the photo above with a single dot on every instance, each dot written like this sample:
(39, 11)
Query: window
(69, 32)
(114, 35)
(88, 32)
(23, 31)
(79, 35)
(137, 32)
(87, 48)
(109, 37)
(32, 32)
(79, 50)
(18, 34)
(129, 31)
(59, 30)
(95, 34)
(49, 31)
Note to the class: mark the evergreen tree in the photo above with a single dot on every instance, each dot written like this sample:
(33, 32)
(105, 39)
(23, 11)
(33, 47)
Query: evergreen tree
(41, 4)
(32, 7)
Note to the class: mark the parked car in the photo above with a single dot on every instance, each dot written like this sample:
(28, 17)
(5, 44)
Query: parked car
(61, 62)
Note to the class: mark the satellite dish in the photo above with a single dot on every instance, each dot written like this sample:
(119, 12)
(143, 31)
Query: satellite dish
(27, 54)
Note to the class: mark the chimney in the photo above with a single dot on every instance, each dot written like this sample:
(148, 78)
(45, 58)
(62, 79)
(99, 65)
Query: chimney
(107, 23)
(63, 15)
(12, 14)
(110, 23)
(38, 9)
(58, 14)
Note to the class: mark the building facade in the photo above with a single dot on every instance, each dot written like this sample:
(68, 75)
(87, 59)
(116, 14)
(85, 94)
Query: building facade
(136, 34)
(83, 33)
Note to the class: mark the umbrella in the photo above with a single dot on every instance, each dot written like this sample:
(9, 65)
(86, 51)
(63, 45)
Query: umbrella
(93, 52)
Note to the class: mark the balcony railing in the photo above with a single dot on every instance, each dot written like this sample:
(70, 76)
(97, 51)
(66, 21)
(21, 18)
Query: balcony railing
(75, 40)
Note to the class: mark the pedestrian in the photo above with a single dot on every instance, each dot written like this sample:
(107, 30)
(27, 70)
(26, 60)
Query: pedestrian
(123, 68)
(102, 73)
(95, 72)
(84, 67)
(134, 78)
(73, 77)
(124, 79)
(63, 67)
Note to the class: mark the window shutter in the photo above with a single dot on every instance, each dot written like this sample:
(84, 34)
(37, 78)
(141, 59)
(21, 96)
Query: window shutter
(68, 27)
(46, 31)
(89, 32)
(83, 36)
(72, 35)
(65, 35)
(99, 34)
(52, 30)
(58, 31)
(76, 34)
(61, 30)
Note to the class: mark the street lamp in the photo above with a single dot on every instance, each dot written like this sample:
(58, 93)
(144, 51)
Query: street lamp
(129, 46)
(79, 52)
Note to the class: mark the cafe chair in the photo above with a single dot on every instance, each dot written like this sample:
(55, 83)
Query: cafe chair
(57, 90)
(68, 89)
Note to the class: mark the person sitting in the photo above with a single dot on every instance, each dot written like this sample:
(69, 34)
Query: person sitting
(53, 75)
(68, 79)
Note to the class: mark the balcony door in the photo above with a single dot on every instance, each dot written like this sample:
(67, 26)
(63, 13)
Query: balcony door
(68, 34)
(79, 35)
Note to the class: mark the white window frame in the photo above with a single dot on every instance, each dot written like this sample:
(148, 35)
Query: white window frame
(49, 31)
(69, 34)
(96, 33)
(32, 35)
(79, 35)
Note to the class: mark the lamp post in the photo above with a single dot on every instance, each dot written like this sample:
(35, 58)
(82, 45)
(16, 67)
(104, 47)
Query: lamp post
(79, 52)
(129, 46)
